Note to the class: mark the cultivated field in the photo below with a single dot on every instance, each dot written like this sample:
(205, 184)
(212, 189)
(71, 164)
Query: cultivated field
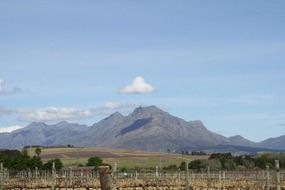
(152, 177)
(123, 158)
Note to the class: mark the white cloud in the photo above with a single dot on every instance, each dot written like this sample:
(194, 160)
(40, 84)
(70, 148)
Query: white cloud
(9, 129)
(118, 106)
(113, 105)
(138, 85)
(52, 114)
(48, 114)
(67, 114)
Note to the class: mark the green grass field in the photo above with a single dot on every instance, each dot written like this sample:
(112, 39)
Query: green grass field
(123, 158)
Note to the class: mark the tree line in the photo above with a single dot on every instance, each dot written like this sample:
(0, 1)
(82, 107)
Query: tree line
(21, 160)
(226, 161)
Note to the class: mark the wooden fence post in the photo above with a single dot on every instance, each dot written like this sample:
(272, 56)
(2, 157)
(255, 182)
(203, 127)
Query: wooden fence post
(70, 177)
(187, 176)
(36, 173)
(1, 176)
(156, 177)
(106, 180)
(53, 177)
(267, 178)
(81, 176)
(7, 174)
(220, 180)
(179, 176)
(115, 170)
(208, 178)
(277, 175)
(36, 177)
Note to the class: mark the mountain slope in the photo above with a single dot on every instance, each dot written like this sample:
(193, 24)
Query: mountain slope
(41, 134)
(149, 128)
(273, 143)
(146, 128)
(240, 141)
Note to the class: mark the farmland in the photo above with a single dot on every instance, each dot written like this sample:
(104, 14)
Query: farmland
(123, 158)
(150, 179)
(143, 171)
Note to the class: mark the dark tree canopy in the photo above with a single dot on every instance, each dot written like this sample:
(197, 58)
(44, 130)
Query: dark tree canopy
(95, 162)
(57, 162)
(16, 160)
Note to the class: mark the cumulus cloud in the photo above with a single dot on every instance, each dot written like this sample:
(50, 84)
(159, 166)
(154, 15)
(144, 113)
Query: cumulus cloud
(10, 128)
(118, 105)
(113, 105)
(52, 114)
(3, 91)
(138, 85)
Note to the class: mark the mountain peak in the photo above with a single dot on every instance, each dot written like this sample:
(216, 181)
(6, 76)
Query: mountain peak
(116, 114)
(36, 124)
(63, 123)
(240, 141)
(146, 128)
(148, 109)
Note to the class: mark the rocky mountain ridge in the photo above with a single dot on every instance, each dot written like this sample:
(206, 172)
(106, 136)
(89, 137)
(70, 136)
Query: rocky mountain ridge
(146, 128)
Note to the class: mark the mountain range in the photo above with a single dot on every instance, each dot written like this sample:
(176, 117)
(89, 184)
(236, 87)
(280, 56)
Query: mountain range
(146, 128)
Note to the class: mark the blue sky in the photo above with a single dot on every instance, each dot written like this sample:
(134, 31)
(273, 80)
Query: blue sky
(219, 61)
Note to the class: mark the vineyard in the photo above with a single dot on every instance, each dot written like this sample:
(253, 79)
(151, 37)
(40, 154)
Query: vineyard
(87, 178)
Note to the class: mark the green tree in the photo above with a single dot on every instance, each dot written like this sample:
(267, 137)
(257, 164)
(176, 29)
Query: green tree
(19, 160)
(57, 162)
(198, 165)
(229, 164)
(123, 169)
(95, 162)
(172, 167)
(25, 152)
(38, 151)
(35, 162)
(215, 164)
(263, 160)
(182, 166)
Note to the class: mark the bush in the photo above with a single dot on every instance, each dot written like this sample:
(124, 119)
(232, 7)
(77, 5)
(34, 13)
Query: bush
(171, 167)
(198, 165)
(57, 162)
(123, 170)
(17, 160)
(95, 162)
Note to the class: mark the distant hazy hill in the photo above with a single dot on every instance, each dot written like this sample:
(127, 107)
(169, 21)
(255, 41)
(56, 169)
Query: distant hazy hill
(240, 141)
(41, 134)
(276, 143)
(146, 128)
